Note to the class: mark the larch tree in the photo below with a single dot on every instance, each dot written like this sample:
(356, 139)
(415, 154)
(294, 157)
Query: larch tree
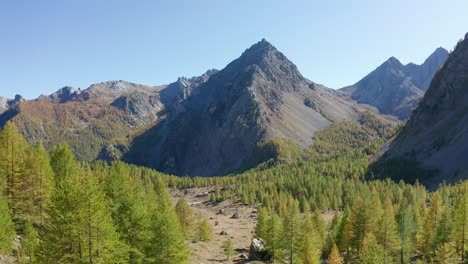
(78, 225)
(372, 252)
(407, 230)
(166, 244)
(334, 257)
(41, 177)
(12, 166)
(7, 229)
(228, 248)
(185, 215)
(261, 222)
(308, 241)
(129, 210)
(273, 237)
(460, 226)
(291, 231)
(387, 233)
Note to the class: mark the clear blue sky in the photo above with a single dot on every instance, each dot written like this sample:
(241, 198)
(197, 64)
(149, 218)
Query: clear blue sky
(45, 45)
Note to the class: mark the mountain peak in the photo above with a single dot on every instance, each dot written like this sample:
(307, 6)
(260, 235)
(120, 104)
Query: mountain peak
(259, 50)
(438, 56)
(393, 61)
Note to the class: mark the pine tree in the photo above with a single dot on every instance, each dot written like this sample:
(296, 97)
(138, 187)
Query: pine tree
(228, 248)
(166, 244)
(335, 257)
(387, 233)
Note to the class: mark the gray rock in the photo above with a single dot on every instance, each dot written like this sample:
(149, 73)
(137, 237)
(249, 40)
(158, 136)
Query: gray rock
(213, 128)
(436, 135)
(394, 88)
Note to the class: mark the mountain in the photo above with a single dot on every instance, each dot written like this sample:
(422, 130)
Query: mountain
(394, 88)
(436, 135)
(97, 122)
(216, 129)
(6, 103)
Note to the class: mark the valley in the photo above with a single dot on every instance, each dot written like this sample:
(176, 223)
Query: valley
(248, 163)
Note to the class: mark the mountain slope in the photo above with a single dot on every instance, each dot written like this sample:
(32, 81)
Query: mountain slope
(437, 133)
(261, 95)
(394, 88)
(97, 122)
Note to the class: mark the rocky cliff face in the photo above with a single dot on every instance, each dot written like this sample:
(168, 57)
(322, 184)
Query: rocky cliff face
(97, 122)
(6, 103)
(437, 133)
(214, 131)
(394, 88)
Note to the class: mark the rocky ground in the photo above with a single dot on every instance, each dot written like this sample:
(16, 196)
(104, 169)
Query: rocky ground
(240, 229)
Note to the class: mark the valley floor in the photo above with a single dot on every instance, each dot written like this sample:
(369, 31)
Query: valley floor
(240, 230)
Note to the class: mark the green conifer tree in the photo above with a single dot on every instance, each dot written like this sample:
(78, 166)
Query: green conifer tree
(166, 244)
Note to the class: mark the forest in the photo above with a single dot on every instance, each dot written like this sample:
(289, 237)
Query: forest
(59, 210)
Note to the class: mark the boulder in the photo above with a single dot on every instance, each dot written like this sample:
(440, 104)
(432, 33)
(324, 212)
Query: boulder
(257, 250)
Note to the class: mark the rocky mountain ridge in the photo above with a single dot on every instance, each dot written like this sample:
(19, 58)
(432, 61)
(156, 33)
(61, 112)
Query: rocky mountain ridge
(436, 135)
(394, 88)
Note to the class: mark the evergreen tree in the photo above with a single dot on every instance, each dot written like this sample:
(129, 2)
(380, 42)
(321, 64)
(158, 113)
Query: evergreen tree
(166, 244)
